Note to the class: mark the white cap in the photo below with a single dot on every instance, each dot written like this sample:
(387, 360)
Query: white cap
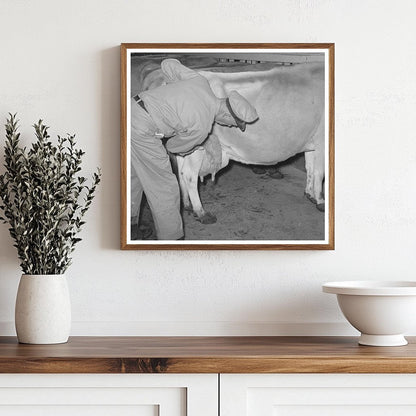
(242, 111)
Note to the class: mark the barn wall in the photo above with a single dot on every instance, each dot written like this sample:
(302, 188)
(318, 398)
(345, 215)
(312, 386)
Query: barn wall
(60, 62)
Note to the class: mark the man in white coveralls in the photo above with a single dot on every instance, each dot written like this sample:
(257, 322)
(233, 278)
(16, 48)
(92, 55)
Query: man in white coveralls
(184, 111)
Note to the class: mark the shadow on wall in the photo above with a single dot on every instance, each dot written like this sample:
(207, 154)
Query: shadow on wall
(109, 101)
(281, 315)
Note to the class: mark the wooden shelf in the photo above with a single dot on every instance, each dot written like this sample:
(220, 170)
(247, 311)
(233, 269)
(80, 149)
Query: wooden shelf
(206, 355)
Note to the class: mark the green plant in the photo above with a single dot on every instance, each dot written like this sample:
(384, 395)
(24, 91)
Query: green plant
(44, 198)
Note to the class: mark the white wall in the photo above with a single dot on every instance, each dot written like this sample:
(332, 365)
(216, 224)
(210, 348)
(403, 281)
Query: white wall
(60, 61)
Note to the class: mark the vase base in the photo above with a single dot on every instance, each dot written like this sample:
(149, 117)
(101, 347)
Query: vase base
(28, 342)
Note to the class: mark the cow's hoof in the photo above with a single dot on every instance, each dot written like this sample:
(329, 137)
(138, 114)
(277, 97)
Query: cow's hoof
(207, 218)
(258, 170)
(187, 208)
(310, 197)
(270, 171)
(321, 207)
(276, 174)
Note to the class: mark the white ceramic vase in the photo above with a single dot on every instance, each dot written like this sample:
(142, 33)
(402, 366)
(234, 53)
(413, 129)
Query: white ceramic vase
(43, 309)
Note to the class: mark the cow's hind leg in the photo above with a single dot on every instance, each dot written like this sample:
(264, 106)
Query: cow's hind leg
(315, 170)
(315, 173)
(309, 162)
(189, 168)
(318, 183)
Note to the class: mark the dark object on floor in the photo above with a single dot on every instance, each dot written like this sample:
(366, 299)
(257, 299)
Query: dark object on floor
(271, 171)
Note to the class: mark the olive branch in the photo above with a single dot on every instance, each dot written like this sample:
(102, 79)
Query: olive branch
(44, 198)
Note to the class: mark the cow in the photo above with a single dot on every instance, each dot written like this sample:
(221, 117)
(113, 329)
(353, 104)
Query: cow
(290, 102)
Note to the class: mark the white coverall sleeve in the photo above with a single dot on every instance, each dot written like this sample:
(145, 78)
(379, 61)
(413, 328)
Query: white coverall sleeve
(174, 71)
(184, 142)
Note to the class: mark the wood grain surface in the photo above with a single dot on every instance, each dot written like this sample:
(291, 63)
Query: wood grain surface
(206, 355)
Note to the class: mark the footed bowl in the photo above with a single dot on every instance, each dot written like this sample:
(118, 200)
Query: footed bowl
(381, 311)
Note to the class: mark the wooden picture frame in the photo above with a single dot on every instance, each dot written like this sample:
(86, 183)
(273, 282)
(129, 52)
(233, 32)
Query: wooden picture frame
(264, 57)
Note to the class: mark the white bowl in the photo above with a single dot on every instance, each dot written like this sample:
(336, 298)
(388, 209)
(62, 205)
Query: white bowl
(381, 311)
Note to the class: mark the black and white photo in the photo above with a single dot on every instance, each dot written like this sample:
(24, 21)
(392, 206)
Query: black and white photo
(227, 146)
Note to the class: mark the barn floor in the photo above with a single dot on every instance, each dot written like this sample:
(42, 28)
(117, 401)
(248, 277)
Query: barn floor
(251, 206)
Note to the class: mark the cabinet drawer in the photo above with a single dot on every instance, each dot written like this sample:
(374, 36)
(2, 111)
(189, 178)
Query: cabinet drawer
(108, 395)
(318, 394)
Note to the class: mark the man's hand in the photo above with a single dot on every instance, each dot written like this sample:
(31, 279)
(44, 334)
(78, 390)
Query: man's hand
(174, 71)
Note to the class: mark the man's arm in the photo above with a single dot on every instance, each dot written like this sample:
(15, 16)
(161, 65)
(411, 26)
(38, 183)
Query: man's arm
(184, 142)
(174, 71)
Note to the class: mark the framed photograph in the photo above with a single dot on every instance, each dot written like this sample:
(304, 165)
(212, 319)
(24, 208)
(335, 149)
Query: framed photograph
(227, 146)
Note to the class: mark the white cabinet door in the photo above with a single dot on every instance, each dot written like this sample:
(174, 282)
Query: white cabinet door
(318, 394)
(108, 395)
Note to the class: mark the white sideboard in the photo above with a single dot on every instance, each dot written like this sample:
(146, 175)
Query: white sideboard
(207, 376)
(197, 395)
